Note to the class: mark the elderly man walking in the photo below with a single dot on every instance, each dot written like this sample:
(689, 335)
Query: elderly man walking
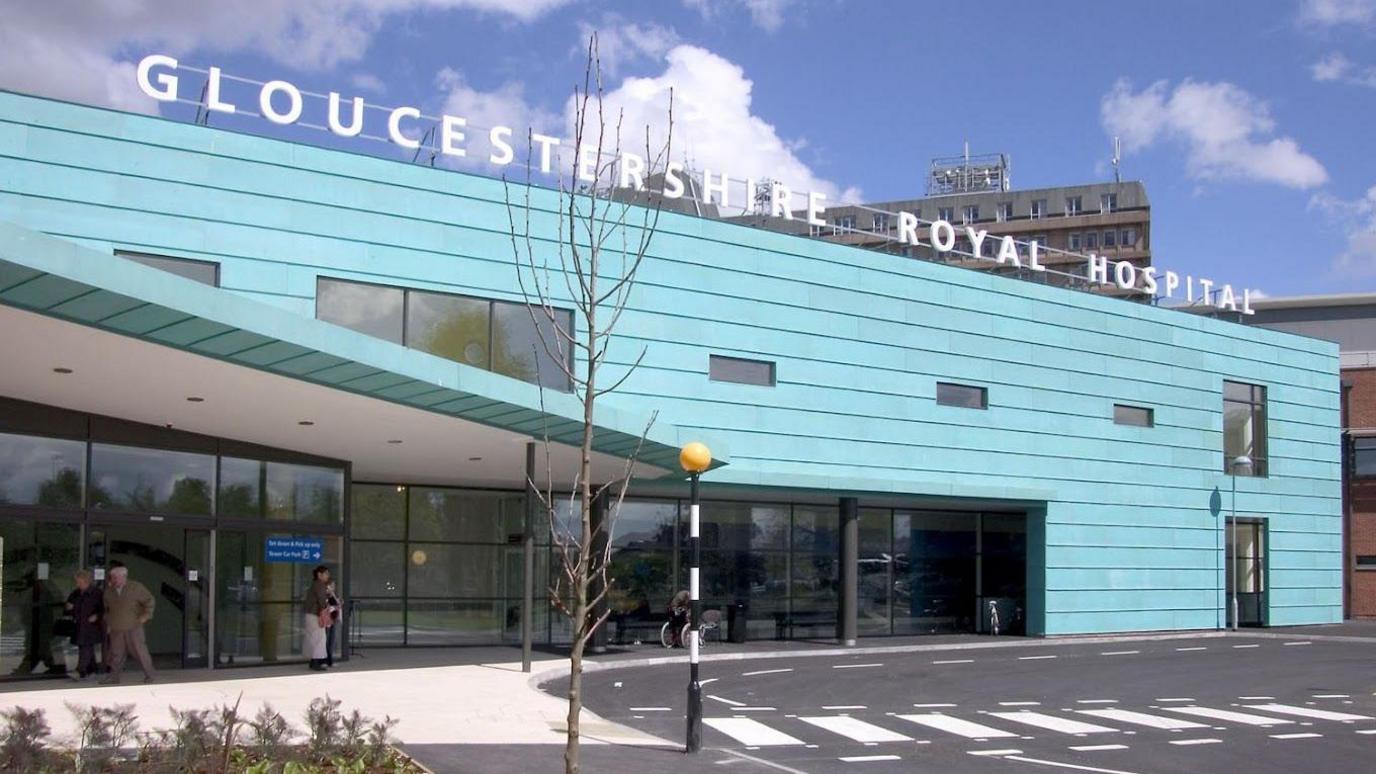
(128, 606)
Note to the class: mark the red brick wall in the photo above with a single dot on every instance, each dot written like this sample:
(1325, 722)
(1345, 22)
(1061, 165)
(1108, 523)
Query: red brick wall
(1361, 420)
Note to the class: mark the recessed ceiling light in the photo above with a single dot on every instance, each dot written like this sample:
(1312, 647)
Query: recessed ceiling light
(475, 459)
(395, 440)
(194, 399)
(305, 423)
(62, 370)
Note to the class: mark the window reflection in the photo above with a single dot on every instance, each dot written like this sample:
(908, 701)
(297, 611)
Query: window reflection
(373, 310)
(41, 471)
(127, 478)
(527, 346)
(454, 327)
(304, 493)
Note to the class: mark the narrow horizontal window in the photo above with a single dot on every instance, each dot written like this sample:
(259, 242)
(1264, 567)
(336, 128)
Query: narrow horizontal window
(204, 272)
(1366, 562)
(740, 370)
(1133, 415)
(962, 395)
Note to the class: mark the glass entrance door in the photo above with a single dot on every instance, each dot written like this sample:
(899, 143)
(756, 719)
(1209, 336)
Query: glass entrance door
(173, 563)
(1247, 571)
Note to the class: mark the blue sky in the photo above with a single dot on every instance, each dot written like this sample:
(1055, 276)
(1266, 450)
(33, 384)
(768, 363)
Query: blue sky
(1249, 122)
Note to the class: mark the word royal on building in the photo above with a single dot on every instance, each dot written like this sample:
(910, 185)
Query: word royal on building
(163, 86)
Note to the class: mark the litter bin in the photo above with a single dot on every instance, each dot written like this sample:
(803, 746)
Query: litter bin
(735, 621)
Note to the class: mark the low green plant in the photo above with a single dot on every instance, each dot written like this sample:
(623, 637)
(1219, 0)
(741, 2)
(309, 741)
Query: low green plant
(103, 734)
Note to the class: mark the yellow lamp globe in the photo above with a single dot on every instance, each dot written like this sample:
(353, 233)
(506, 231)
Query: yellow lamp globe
(695, 457)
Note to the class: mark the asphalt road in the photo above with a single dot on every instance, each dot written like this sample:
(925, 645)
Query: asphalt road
(1145, 707)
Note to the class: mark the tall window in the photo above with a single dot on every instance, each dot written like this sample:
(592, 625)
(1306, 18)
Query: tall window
(843, 224)
(970, 213)
(881, 222)
(1072, 206)
(500, 336)
(1004, 211)
(947, 214)
(1244, 428)
(1108, 202)
(1092, 240)
(1110, 239)
(1128, 238)
(1075, 241)
(1038, 210)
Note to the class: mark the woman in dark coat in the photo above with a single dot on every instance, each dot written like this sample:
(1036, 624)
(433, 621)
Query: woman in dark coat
(86, 606)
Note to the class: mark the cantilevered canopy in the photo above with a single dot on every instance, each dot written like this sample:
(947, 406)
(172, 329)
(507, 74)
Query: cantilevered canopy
(140, 342)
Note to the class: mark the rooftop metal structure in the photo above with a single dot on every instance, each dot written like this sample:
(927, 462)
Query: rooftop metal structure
(968, 174)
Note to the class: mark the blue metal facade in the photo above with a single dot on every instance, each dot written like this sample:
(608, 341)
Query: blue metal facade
(1124, 522)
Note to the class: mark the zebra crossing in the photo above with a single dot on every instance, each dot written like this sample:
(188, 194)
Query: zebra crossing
(923, 727)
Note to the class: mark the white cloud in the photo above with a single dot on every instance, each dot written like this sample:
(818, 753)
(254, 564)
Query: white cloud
(368, 82)
(1337, 67)
(768, 15)
(620, 43)
(1227, 133)
(47, 49)
(504, 106)
(1357, 220)
(714, 126)
(1329, 13)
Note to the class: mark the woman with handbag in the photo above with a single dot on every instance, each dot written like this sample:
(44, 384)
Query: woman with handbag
(86, 610)
(316, 618)
(331, 632)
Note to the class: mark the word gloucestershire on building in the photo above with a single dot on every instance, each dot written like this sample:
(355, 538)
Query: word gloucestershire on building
(452, 135)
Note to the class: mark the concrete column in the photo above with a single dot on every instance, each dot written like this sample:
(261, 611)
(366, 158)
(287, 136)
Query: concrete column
(849, 560)
(598, 643)
(528, 561)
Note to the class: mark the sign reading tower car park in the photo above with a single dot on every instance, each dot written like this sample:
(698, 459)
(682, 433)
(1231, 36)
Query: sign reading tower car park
(283, 103)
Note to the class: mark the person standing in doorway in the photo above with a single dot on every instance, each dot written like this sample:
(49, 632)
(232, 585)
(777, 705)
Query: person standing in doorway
(316, 618)
(128, 608)
(86, 606)
(331, 632)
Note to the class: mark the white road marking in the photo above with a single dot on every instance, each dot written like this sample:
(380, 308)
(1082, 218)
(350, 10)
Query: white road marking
(868, 758)
(957, 726)
(1238, 647)
(995, 752)
(1097, 747)
(726, 701)
(751, 732)
(1184, 742)
(1120, 652)
(1331, 696)
(1229, 715)
(843, 706)
(856, 730)
(1020, 704)
(1035, 658)
(956, 661)
(1166, 700)
(708, 680)
(1257, 698)
(1298, 643)
(1306, 712)
(1187, 650)
(755, 709)
(933, 706)
(1143, 719)
(649, 709)
(765, 763)
(854, 666)
(1061, 765)
(1367, 731)
(1096, 701)
(1295, 736)
(1053, 722)
(765, 672)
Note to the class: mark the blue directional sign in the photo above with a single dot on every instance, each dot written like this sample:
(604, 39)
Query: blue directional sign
(294, 549)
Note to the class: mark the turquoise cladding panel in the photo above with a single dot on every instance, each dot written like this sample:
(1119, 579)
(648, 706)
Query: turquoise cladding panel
(1127, 537)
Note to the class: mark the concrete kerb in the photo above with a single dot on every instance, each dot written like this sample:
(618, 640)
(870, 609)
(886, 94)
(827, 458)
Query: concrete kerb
(590, 665)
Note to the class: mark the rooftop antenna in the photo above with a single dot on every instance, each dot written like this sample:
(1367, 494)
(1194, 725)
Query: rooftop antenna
(1117, 156)
(202, 114)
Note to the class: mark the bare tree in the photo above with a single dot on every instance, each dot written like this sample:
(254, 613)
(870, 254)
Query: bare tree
(602, 238)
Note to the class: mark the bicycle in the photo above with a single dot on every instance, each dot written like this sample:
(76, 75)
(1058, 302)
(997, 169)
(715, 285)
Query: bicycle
(711, 622)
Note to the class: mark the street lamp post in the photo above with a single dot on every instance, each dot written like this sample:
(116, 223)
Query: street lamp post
(1237, 463)
(695, 458)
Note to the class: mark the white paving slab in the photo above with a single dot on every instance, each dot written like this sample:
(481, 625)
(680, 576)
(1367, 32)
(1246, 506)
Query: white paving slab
(855, 729)
(751, 732)
(1228, 715)
(1143, 719)
(957, 726)
(1053, 722)
(1308, 712)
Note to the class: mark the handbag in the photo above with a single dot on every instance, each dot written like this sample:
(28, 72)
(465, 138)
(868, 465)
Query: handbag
(325, 620)
(64, 627)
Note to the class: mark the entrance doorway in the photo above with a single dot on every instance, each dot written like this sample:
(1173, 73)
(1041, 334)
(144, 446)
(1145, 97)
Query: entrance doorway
(1247, 571)
(174, 563)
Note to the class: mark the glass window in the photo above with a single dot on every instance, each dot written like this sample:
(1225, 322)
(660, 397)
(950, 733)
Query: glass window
(934, 585)
(304, 493)
(962, 395)
(875, 573)
(743, 526)
(457, 622)
(1075, 241)
(448, 570)
(1110, 239)
(379, 512)
(258, 603)
(1364, 457)
(453, 327)
(740, 370)
(843, 223)
(467, 516)
(241, 488)
(1005, 211)
(970, 214)
(204, 272)
(377, 569)
(1128, 238)
(1072, 205)
(1092, 240)
(38, 563)
(524, 350)
(1244, 428)
(947, 214)
(41, 471)
(816, 530)
(881, 222)
(1366, 562)
(1038, 209)
(373, 310)
(1108, 202)
(641, 524)
(128, 478)
(1133, 415)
